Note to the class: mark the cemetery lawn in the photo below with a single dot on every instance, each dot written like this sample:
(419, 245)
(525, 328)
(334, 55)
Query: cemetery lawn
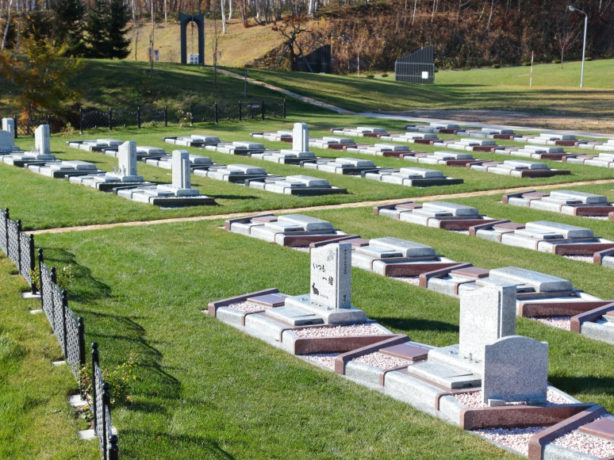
(36, 420)
(205, 390)
(555, 90)
(42, 202)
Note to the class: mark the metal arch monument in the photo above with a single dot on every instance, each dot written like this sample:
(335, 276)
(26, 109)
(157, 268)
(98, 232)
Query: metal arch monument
(199, 20)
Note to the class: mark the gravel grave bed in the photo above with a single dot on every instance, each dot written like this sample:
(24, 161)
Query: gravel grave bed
(586, 444)
(323, 359)
(588, 259)
(514, 438)
(339, 331)
(382, 361)
(474, 400)
(413, 280)
(560, 322)
(247, 307)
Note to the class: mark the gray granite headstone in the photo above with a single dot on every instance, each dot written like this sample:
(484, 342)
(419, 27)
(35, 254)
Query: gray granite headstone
(300, 137)
(181, 169)
(6, 142)
(8, 124)
(515, 368)
(126, 156)
(331, 275)
(486, 315)
(42, 140)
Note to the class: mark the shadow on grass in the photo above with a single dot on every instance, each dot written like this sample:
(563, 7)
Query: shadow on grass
(186, 445)
(407, 324)
(590, 385)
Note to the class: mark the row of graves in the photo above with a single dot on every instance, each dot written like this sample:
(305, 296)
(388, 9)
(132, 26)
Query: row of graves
(570, 241)
(540, 296)
(493, 382)
(569, 202)
(123, 181)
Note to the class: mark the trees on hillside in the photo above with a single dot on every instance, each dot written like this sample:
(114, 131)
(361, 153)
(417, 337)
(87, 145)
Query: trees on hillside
(106, 29)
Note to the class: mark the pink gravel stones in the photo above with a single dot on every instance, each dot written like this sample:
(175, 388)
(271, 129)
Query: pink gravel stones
(514, 438)
(474, 400)
(351, 330)
(326, 360)
(247, 307)
(382, 361)
(560, 322)
(586, 444)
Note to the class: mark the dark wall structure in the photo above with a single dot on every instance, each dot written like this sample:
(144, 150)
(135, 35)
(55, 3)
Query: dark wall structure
(416, 67)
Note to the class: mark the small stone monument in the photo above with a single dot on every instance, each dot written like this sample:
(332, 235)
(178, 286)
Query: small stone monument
(126, 156)
(331, 275)
(181, 169)
(330, 291)
(486, 314)
(42, 140)
(8, 124)
(515, 368)
(300, 137)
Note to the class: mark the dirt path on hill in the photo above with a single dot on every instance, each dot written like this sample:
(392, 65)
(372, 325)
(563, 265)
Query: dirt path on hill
(359, 204)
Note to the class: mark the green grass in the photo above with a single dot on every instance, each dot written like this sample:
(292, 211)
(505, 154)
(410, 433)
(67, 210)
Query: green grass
(555, 90)
(37, 421)
(43, 202)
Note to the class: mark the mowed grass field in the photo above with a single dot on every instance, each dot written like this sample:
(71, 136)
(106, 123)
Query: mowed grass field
(205, 390)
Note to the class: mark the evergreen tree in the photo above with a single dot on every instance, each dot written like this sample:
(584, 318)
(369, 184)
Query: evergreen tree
(119, 45)
(67, 25)
(106, 29)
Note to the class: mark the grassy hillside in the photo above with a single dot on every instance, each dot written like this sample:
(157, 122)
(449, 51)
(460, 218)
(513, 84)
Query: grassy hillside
(232, 47)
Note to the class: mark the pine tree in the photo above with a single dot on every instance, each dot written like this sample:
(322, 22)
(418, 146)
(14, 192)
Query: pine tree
(119, 45)
(96, 27)
(67, 25)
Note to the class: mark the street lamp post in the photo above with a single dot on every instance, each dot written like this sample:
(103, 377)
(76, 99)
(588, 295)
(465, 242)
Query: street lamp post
(578, 10)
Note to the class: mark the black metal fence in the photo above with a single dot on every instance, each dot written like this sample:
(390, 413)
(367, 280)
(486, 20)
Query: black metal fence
(91, 117)
(101, 406)
(69, 330)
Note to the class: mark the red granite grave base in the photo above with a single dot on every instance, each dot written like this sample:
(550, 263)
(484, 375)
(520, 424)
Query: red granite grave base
(424, 277)
(416, 269)
(544, 309)
(245, 220)
(461, 163)
(424, 141)
(518, 416)
(490, 224)
(342, 359)
(448, 131)
(299, 241)
(590, 315)
(463, 224)
(507, 137)
(375, 135)
(539, 440)
(484, 148)
(586, 249)
(305, 346)
(566, 143)
(604, 428)
(393, 154)
(354, 240)
(544, 172)
(592, 211)
(599, 255)
(554, 156)
(213, 306)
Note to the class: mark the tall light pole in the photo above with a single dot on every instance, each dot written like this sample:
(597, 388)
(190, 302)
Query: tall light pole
(578, 10)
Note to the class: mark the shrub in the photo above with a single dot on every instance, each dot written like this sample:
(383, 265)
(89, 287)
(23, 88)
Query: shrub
(120, 379)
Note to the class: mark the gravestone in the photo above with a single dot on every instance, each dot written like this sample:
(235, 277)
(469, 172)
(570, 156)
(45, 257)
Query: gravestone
(181, 169)
(331, 275)
(6, 142)
(515, 368)
(300, 137)
(486, 314)
(42, 140)
(126, 156)
(8, 124)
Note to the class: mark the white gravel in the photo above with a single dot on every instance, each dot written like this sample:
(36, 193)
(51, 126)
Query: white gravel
(323, 359)
(560, 322)
(586, 444)
(588, 259)
(247, 307)
(474, 400)
(514, 438)
(382, 361)
(351, 330)
(413, 280)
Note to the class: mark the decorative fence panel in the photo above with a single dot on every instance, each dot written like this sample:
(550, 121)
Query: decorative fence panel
(4, 218)
(101, 406)
(26, 260)
(47, 279)
(13, 241)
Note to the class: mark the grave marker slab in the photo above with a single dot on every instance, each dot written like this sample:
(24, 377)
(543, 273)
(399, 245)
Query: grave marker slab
(42, 140)
(331, 275)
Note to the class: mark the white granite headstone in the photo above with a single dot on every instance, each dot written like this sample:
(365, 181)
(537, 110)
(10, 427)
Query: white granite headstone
(515, 368)
(126, 156)
(486, 314)
(181, 169)
(8, 124)
(300, 137)
(41, 140)
(331, 275)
